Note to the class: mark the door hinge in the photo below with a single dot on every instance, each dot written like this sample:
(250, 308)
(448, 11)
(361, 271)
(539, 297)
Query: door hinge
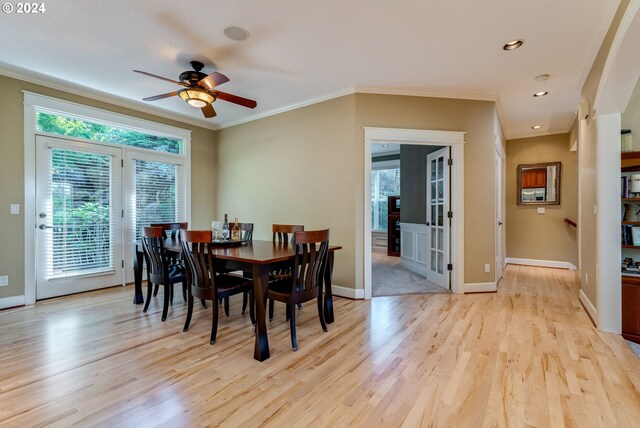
(449, 161)
(123, 263)
(450, 214)
(449, 266)
(122, 163)
(122, 214)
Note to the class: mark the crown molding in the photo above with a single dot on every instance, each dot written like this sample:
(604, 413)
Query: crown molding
(72, 88)
(416, 92)
(289, 107)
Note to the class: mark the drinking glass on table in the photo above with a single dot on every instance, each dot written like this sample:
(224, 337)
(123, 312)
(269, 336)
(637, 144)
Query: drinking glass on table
(217, 227)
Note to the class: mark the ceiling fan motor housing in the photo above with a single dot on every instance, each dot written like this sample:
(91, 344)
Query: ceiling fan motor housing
(192, 77)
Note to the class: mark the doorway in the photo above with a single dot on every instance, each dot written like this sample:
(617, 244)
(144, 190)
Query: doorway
(438, 219)
(451, 140)
(78, 204)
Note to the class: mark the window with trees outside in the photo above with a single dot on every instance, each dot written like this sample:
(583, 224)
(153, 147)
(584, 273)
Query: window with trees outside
(385, 181)
(153, 179)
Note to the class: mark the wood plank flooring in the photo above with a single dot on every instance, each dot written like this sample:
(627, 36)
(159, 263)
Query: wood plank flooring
(527, 356)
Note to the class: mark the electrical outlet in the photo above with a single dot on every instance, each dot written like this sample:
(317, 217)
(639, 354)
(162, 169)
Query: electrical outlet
(4, 280)
(15, 209)
(541, 210)
(487, 267)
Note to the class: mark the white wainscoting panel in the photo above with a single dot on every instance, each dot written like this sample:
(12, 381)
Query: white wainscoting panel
(413, 247)
(379, 239)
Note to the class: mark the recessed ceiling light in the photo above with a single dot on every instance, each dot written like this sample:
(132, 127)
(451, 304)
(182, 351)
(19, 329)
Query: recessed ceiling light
(536, 127)
(385, 145)
(513, 44)
(541, 78)
(540, 94)
(236, 33)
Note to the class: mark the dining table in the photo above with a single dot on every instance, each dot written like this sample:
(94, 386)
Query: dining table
(255, 257)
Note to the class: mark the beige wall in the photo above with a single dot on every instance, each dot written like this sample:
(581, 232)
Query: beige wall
(12, 171)
(477, 119)
(542, 236)
(631, 116)
(306, 166)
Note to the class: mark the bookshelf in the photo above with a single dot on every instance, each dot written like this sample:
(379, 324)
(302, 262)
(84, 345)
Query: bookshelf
(630, 163)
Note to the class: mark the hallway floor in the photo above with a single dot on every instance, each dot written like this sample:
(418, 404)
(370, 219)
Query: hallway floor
(390, 279)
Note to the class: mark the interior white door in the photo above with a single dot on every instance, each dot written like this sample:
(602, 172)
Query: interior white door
(79, 217)
(438, 222)
(499, 216)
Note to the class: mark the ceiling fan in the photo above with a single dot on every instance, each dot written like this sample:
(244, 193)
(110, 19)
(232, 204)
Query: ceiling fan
(199, 89)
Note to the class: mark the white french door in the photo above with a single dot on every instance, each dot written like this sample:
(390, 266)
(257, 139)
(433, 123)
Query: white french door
(438, 222)
(78, 214)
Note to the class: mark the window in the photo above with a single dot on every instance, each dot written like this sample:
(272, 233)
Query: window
(55, 123)
(385, 181)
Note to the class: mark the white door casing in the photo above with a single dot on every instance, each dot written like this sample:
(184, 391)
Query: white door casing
(500, 230)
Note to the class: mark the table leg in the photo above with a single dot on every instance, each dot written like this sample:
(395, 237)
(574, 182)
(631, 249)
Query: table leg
(260, 284)
(138, 298)
(328, 295)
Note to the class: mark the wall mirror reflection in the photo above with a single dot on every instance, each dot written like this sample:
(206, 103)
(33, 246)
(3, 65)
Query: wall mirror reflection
(539, 184)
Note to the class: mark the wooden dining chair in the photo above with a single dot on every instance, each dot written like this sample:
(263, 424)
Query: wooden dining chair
(305, 284)
(205, 281)
(281, 234)
(172, 230)
(160, 269)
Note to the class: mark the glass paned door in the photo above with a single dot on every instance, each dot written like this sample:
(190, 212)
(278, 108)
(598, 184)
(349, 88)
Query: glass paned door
(437, 219)
(78, 217)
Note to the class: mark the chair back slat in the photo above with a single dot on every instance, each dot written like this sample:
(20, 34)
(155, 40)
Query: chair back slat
(311, 250)
(154, 252)
(281, 231)
(195, 250)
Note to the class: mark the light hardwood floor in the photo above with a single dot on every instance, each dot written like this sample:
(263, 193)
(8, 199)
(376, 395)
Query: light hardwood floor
(525, 356)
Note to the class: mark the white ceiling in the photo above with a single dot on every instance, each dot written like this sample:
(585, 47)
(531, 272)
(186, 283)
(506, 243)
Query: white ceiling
(378, 149)
(303, 51)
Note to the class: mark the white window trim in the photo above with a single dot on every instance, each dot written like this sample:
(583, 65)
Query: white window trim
(455, 140)
(35, 102)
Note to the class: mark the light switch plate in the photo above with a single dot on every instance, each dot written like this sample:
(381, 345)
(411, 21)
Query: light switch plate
(487, 268)
(541, 210)
(15, 209)
(4, 280)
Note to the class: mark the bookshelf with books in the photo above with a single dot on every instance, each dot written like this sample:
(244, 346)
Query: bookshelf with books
(630, 241)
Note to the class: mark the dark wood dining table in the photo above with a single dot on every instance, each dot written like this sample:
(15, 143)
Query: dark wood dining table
(259, 258)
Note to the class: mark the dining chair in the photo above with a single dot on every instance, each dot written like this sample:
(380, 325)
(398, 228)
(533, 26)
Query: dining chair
(174, 228)
(205, 282)
(305, 283)
(281, 236)
(174, 233)
(160, 269)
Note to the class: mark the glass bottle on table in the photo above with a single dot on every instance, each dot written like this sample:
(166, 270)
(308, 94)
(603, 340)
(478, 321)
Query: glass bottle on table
(235, 231)
(225, 227)
(217, 227)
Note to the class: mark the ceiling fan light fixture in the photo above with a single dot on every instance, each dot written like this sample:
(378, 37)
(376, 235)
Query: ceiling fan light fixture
(196, 97)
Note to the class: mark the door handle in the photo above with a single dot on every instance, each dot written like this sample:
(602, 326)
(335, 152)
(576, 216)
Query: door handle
(44, 226)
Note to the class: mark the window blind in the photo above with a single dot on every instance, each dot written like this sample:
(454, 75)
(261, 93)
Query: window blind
(158, 193)
(81, 211)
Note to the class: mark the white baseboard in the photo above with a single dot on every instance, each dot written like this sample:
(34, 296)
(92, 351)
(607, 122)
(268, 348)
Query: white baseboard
(10, 302)
(593, 312)
(480, 287)
(350, 293)
(541, 263)
(413, 266)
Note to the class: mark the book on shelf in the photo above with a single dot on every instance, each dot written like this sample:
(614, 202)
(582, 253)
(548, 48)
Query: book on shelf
(624, 185)
(635, 235)
(627, 236)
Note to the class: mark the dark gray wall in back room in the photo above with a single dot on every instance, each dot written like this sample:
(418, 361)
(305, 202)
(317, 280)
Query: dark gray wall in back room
(413, 182)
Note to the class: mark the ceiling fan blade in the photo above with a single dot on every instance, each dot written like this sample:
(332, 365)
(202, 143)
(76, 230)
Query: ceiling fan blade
(213, 80)
(159, 97)
(161, 78)
(208, 111)
(245, 102)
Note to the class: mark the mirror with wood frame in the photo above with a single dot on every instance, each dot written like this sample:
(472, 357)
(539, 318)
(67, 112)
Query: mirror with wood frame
(539, 184)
